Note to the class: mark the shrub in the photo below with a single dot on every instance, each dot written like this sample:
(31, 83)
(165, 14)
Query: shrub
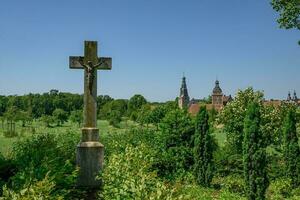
(204, 147)
(279, 189)
(254, 155)
(42, 189)
(128, 175)
(37, 155)
(234, 184)
(176, 136)
(291, 148)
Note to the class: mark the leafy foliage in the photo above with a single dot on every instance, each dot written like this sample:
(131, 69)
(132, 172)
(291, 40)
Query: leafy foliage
(115, 118)
(291, 148)
(77, 117)
(36, 157)
(135, 103)
(47, 120)
(60, 116)
(254, 155)
(128, 175)
(289, 13)
(37, 190)
(177, 131)
(233, 115)
(204, 146)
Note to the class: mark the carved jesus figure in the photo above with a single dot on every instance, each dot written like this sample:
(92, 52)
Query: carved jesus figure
(90, 68)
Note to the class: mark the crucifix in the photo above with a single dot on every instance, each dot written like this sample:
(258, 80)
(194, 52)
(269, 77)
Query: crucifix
(90, 151)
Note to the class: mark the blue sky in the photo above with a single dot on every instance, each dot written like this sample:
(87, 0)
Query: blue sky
(152, 42)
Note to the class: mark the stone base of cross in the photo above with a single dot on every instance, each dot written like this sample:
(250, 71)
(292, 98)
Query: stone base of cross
(89, 158)
(90, 152)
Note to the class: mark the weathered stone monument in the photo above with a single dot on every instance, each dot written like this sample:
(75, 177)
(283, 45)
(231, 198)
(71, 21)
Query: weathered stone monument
(90, 151)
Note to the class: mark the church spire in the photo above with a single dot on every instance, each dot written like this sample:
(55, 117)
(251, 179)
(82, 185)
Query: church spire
(289, 98)
(184, 98)
(217, 89)
(295, 98)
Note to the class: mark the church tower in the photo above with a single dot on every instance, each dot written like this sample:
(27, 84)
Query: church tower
(217, 96)
(184, 98)
(295, 98)
(289, 98)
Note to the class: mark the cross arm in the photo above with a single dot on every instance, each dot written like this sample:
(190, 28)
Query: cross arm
(75, 62)
(104, 63)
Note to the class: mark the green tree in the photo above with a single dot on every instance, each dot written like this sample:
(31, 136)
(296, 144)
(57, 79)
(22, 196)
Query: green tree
(119, 105)
(3, 104)
(2, 119)
(157, 114)
(115, 118)
(143, 116)
(135, 103)
(203, 149)
(254, 155)
(233, 115)
(271, 124)
(291, 148)
(76, 117)
(60, 116)
(176, 132)
(11, 114)
(289, 11)
(47, 120)
(24, 117)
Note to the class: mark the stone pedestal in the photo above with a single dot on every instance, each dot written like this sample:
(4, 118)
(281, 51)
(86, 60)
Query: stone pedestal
(90, 154)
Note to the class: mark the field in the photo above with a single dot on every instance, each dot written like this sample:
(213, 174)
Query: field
(144, 158)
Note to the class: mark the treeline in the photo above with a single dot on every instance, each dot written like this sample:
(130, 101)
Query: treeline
(178, 156)
(57, 107)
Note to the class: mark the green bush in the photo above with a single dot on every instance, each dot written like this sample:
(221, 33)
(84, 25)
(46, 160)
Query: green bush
(204, 146)
(42, 189)
(7, 170)
(43, 154)
(116, 142)
(254, 155)
(291, 148)
(177, 144)
(234, 184)
(128, 175)
(227, 162)
(279, 189)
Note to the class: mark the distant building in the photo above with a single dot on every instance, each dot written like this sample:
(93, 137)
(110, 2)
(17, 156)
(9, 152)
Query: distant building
(289, 98)
(184, 99)
(293, 99)
(218, 99)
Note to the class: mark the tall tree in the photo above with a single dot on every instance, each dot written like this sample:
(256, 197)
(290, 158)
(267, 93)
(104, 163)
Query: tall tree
(60, 116)
(76, 116)
(291, 148)
(289, 11)
(135, 103)
(176, 134)
(254, 155)
(233, 115)
(203, 149)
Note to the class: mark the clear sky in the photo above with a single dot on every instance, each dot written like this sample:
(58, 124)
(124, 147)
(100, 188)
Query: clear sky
(152, 42)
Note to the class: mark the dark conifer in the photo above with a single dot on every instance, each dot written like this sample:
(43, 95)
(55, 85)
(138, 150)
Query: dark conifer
(203, 149)
(254, 155)
(291, 148)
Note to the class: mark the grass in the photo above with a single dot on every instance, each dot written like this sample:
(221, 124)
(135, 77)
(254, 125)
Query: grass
(104, 128)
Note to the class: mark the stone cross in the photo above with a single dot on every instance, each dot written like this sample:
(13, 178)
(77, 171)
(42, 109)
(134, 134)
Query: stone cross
(90, 151)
